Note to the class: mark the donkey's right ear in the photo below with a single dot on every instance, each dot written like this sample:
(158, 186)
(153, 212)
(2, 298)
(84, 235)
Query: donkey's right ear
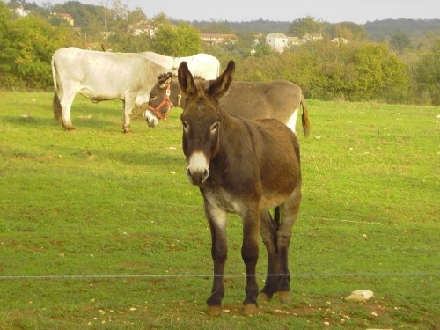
(165, 80)
(169, 78)
(186, 80)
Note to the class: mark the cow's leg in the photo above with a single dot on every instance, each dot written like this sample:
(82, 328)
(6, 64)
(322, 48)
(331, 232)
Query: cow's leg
(66, 103)
(268, 229)
(219, 251)
(249, 253)
(127, 107)
(289, 215)
(57, 110)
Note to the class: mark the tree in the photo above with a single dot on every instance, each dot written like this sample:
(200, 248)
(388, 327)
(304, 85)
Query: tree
(5, 63)
(172, 40)
(348, 31)
(26, 51)
(215, 27)
(399, 42)
(427, 73)
(378, 72)
(308, 24)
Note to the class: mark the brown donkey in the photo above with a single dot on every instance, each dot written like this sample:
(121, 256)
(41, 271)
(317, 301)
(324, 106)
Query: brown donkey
(278, 99)
(247, 167)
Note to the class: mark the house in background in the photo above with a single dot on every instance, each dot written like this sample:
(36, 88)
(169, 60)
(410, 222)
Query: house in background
(312, 36)
(21, 12)
(340, 41)
(294, 41)
(65, 16)
(143, 28)
(277, 41)
(217, 38)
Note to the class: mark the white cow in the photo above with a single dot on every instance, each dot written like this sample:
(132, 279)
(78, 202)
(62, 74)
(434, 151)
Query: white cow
(101, 76)
(201, 65)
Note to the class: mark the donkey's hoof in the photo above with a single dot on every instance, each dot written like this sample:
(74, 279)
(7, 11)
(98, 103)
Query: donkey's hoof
(214, 310)
(285, 297)
(250, 309)
(263, 297)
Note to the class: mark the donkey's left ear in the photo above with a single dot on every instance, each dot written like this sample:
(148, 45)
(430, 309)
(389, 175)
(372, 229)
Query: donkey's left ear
(219, 86)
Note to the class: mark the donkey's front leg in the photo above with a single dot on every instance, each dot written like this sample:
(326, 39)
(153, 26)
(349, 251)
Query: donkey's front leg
(249, 253)
(219, 252)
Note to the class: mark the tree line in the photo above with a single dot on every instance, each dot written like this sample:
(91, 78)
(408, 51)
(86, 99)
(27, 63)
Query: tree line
(393, 70)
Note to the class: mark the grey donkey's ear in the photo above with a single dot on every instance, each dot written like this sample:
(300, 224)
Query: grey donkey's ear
(166, 80)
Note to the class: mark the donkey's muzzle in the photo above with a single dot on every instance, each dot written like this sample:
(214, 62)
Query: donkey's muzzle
(197, 177)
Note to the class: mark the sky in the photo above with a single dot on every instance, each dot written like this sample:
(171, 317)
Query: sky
(332, 11)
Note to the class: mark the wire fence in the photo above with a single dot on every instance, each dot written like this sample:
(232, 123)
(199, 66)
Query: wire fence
(170, 276)
(125, 276)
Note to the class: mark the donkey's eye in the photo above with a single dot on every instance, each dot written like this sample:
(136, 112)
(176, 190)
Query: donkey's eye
(153, 97)
(215, 127)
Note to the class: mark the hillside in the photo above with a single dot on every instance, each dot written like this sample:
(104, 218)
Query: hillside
(376, 30)
(415, 28)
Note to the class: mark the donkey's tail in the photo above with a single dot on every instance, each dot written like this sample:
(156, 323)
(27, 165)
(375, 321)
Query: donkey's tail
(277, 217)
(305, 117)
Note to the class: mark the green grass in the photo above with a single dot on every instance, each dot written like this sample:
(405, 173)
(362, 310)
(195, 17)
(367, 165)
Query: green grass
(100, 229)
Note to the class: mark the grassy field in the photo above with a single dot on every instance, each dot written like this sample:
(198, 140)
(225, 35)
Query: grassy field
(100, 229)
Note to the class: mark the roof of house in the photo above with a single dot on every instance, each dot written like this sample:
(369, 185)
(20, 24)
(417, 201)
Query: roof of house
(277, 35)
(218, 35)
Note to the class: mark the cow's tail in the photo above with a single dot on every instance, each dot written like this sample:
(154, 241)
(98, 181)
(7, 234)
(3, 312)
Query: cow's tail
(57, 110)
(218, 68)
(305, 117)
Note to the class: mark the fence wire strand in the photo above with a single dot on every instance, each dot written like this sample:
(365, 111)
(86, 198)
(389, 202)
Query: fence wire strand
(124, 276)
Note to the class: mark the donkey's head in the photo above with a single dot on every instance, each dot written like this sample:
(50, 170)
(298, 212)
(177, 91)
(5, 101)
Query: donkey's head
(201, 120)
(159, 105)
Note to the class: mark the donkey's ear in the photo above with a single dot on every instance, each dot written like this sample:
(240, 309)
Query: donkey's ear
(186, 80)
(166, 80)
(219, 86)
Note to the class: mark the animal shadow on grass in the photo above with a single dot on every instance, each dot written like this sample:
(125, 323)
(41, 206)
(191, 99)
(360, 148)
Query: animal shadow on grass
(142, 158)
(27, 120)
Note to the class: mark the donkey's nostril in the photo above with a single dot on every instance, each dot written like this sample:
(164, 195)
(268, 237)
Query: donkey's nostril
(205, 175)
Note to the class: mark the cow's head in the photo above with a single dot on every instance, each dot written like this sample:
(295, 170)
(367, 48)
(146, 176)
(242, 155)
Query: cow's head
(159, 105)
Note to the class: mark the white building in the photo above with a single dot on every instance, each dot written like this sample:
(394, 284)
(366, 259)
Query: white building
(21, 12)
(277, 41)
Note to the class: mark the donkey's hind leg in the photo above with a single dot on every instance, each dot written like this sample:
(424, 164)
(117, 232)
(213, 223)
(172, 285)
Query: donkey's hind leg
(289, 215)
(268, 229)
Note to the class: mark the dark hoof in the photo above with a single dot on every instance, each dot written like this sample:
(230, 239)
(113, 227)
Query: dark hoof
(263, 297)
(215, 310)
(285, 297)
(250, 309)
